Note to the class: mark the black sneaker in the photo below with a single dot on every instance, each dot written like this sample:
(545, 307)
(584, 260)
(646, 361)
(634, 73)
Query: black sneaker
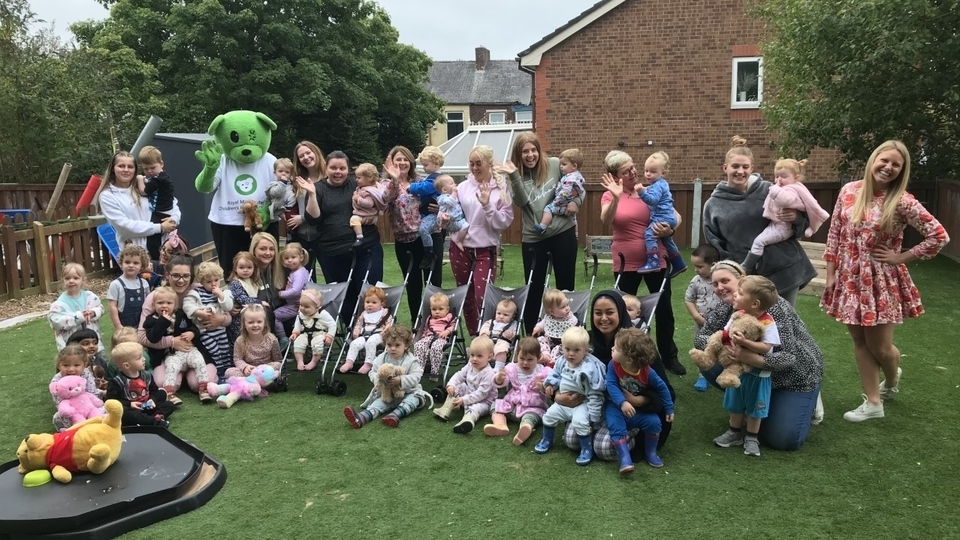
(358, 242)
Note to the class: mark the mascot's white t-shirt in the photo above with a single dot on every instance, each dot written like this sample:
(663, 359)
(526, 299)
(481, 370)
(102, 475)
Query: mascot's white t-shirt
(238, 182)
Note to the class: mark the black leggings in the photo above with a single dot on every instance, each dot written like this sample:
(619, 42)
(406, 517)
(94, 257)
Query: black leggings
(563, 249)
(414, 250)
(630, 282)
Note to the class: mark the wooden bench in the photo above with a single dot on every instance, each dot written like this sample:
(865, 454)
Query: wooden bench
(814, 252)
(446, 255)
(602, 247)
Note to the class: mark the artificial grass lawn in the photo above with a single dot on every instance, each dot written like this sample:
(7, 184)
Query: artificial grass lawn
(296, 469)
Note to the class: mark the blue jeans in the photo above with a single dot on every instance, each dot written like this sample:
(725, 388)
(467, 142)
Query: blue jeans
(788, 420)
(336, 268)
(618, 425)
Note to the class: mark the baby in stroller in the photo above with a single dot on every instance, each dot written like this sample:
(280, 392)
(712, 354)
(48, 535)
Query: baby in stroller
(436, 333)
(502, 329)
(556, 320)
(367, 330)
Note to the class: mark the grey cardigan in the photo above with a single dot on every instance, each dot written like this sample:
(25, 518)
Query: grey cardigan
(732, 220)
(532, 200)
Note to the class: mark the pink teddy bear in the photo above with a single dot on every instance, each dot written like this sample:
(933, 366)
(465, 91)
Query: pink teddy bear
(76, 403)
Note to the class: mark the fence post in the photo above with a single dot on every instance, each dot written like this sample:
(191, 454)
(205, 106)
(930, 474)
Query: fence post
(695, 224)
(13, 268)
(43, 257)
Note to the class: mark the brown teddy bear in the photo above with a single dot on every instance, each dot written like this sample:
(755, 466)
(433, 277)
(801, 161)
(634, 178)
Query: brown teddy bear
(752, 330)
(389, 394)
(252, 222)
(91, 446)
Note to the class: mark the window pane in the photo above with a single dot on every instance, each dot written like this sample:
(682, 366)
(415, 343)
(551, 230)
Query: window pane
(497, 117)
(524, 117)
(454, 116)
(454, 128)
(748, 81)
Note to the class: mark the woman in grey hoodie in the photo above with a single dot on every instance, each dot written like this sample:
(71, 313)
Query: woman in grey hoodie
(733, 217)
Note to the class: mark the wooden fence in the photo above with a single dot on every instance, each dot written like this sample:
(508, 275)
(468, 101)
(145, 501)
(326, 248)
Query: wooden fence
(36, 197)
(588, 219)
(948, 212)
(34, 252)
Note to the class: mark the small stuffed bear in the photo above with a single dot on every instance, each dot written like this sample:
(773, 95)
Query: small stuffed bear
(389, 394)
(752, 330)
(252, 222)
(76, 403)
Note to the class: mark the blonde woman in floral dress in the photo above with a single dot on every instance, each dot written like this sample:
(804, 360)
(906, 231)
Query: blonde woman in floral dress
(868, 286)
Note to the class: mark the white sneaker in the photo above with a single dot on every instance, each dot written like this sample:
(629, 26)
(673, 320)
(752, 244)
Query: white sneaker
(887, 394)
(865, 411)
(818, 411)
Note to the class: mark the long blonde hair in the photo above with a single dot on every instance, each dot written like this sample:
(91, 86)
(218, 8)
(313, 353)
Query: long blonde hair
(895, 189)
(539, 172)
(486, 156)
(243, 340)
(276, 267)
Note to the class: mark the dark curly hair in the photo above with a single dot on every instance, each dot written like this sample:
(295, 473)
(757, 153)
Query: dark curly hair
(637, 346)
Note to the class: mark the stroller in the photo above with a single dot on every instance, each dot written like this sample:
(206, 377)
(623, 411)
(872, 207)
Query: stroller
(579, 300)
(394, 295)
(648, 303)
(456, 342)
(334, 295)
(493, 295)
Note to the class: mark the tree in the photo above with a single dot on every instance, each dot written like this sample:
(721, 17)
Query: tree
(850, 74)
(58, 104)
(330, 71)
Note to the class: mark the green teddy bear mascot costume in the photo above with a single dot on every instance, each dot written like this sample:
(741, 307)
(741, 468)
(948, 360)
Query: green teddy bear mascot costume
(236, 168)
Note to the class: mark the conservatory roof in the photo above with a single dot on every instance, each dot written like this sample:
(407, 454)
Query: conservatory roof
(500, 137)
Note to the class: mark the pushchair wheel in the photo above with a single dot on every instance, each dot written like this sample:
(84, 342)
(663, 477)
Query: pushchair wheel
(280, 384)
(339, 388)
(439, 394)
(322, 387)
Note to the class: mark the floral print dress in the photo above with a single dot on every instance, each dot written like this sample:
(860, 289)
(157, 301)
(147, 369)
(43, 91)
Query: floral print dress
(866, 292)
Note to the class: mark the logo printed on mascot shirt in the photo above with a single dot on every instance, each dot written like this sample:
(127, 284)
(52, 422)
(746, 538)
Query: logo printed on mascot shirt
(245, 184)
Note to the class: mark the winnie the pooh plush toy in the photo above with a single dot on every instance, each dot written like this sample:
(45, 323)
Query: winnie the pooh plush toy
(389, 394)
(718, 342)
(90, 446)
(236, 167)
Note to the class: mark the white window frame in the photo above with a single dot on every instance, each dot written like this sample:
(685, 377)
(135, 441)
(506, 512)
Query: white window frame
(503, 115)
(529, 115)
(735, 102)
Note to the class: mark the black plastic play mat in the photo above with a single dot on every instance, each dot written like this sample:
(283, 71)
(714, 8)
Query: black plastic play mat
(158, 476)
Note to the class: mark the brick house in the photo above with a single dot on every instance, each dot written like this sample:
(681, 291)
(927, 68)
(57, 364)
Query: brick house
(479, 91)
(681, 77)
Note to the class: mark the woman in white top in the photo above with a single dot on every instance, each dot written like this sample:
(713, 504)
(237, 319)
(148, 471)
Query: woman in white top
(125, 209)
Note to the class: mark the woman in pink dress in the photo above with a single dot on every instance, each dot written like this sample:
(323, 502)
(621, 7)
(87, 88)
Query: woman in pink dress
(868, 286)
